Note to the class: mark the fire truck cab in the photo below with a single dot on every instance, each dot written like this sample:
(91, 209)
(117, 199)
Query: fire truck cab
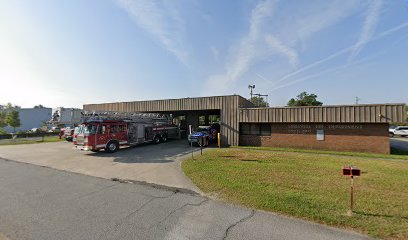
(109, 134)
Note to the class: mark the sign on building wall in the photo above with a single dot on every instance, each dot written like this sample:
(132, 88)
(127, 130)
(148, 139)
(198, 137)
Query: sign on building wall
(320, 135)
(313, 128)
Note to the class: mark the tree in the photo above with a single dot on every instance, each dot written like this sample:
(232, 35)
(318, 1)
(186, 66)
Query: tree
(304, 99)
(13, 119)
(3, 119)
(259, 101)
(39, 106)
(10, 106)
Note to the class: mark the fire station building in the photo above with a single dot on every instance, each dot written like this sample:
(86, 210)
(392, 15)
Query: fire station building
(362, 128)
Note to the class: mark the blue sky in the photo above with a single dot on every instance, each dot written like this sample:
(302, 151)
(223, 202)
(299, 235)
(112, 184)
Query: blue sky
(71, 52)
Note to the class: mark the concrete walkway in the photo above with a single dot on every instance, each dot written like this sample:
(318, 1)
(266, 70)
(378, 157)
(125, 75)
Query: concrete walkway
(44, 203)
(159, 164)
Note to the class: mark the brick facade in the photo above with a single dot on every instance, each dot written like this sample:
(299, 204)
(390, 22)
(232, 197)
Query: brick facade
(356, 137)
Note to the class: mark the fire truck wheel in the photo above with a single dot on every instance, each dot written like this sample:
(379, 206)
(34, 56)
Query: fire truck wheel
(156, 139)
(164, 138)
(112, 146)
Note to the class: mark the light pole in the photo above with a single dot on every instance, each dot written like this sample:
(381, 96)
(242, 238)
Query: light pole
(251, 87)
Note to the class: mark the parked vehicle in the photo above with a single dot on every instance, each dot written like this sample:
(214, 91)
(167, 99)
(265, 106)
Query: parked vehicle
(68, 133)
(55, 129)
(33, 130)
(398, 131)
(203, 136)
(112, 131)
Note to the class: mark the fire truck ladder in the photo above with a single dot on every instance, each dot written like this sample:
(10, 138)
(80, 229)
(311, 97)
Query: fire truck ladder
(154, 118)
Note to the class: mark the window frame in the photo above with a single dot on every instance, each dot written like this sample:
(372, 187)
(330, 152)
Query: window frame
(255, 129)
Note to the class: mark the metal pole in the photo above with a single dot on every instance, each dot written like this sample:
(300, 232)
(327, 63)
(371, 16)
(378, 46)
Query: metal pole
(191, 144)
(350, 212)
(201, 145)
(352, 194)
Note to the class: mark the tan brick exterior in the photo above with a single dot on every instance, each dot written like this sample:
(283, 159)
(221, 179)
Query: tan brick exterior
(360, 137)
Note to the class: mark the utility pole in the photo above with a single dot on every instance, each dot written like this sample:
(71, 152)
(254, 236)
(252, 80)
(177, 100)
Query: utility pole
(251, 87)
(357, 100)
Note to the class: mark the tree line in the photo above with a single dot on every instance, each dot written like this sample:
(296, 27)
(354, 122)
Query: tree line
(303, 99)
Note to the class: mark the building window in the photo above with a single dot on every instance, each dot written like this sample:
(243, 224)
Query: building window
(201, 120)
(257, 129)
(245, 129)
(214, 119)
(265, 129)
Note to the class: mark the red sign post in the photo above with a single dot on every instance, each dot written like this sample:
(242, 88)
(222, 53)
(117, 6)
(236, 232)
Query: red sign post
(352, 172)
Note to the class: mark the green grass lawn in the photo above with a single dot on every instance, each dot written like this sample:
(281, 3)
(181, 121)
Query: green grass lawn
(30, 140)
(309, 186)
(394, 153)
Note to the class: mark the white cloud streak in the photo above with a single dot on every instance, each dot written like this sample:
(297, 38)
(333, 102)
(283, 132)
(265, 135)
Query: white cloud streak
(369, 26)
(247, 50)
(277, 46)
(267, 37)
(315, 64)
(337, 54)
(327, 59)
(162, 23)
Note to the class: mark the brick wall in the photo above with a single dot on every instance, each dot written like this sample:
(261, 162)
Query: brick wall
(364, 137)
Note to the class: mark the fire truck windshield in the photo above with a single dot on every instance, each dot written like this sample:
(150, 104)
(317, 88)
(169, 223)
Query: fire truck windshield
(90, 129)
(86, 129)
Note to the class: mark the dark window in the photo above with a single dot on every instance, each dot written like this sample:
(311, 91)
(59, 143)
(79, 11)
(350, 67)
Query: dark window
(122, 128)
(265, 129)
(245, 129)
(257, 129)
(113, 128)
(101, 129)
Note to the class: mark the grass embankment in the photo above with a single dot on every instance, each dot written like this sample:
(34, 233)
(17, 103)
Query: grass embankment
(30, 140)
(309, 186)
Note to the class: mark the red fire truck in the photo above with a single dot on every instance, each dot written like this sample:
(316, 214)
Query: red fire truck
(109, 131)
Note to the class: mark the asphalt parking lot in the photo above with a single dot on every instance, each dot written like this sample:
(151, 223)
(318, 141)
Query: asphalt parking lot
(158, 164)
(399, 142)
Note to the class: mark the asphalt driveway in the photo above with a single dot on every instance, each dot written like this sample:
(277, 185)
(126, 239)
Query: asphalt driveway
(399, 142)
(44, 203)
(158, 164)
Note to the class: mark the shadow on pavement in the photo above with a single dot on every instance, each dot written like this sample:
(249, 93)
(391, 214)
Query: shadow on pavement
(149, 153)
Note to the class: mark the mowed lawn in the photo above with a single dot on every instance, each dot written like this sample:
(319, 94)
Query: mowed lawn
(309, 186)
(30, 140)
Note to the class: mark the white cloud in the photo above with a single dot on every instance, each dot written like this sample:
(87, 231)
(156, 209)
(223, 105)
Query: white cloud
(277, 46)
(161, 21)
(318, 16)
(247, 50)
(281, 34)
(369, 26)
